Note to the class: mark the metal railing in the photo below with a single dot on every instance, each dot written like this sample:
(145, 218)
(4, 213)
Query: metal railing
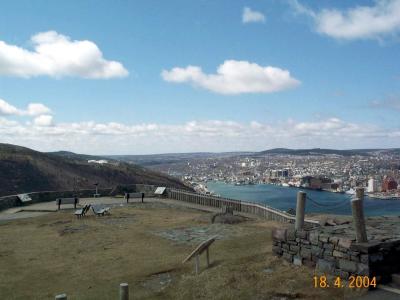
(259, 210)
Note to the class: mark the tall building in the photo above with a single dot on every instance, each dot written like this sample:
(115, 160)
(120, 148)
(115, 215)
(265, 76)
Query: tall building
(372, 186)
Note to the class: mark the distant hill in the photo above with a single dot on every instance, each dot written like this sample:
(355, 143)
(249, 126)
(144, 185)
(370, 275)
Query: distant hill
(171, 158)
(25, 170)
(155, 160)
(319, 151)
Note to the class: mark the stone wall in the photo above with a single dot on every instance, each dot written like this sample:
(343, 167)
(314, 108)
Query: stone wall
(53, 195)
(8, 202)
(336, 255)
(46, 196)
(147, 189)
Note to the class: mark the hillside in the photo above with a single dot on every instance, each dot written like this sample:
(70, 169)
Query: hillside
(26, 170)
(171, 158)
(319, 151)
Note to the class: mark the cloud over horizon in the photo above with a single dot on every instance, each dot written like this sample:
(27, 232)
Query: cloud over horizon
(252, 16)
(360, 22)
(33, 109)
(43, 120)
(56, 55)
(44, 134)
(234, 77)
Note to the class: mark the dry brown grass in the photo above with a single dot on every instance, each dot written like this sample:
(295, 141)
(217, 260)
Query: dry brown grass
(88, 258)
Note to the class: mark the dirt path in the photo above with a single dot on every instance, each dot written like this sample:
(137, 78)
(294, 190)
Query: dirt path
(40, 209)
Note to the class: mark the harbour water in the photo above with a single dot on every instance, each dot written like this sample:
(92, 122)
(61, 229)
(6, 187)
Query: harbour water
(284, 198)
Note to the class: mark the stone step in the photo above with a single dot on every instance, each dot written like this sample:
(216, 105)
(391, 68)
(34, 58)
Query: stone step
(396, 280)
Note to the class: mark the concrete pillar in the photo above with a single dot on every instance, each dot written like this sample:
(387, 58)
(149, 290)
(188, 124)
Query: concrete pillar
(123, 291)
(300, 210)
(357, 209)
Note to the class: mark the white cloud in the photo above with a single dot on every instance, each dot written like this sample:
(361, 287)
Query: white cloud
(33, 109)
(360, 22)
(43, 120)
(213, 135)
(56, 55)
(7, 109)
(234, 77)
(252, 16)
(41, 132)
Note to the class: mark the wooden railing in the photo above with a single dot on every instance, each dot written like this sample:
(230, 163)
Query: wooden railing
(259, 210)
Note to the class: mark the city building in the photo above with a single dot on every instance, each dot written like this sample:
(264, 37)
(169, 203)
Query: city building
(389, 184)
(372, 186)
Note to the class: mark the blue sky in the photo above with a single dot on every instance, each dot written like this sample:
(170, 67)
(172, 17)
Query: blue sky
(333, 77)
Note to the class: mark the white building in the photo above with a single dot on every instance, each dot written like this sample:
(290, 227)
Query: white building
(372, 186)
(101, 161)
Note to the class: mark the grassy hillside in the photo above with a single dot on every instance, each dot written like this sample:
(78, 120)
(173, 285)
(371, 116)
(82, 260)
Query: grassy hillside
(26, 170)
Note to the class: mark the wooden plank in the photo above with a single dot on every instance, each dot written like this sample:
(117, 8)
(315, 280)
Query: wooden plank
(135, 195)
(66, 200)
(200, 248)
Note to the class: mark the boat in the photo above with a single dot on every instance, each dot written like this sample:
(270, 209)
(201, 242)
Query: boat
(351, 192)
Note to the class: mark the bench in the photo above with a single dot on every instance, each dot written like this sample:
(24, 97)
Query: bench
(73, 201)
(203, 246)
(82, 211)
(100, 210)
(134, 195)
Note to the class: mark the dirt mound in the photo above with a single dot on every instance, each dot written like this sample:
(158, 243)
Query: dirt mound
(227, 219)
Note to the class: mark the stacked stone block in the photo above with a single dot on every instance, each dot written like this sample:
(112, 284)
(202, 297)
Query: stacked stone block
(336, 255)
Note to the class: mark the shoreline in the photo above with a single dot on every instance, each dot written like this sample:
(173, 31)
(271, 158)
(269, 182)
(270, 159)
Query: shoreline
(321, 203)
(370, 196)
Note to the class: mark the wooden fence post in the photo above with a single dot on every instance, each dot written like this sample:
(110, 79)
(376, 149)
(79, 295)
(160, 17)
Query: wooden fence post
(123, 291)
(300, 210)
(197, 265)
(357, 210)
